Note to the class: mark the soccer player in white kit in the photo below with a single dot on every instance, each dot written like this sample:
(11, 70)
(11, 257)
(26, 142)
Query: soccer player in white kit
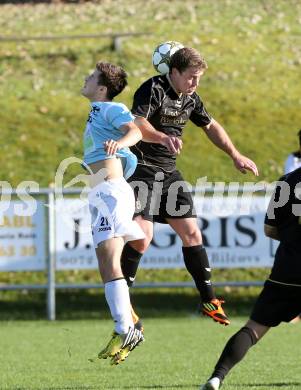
(109, 132)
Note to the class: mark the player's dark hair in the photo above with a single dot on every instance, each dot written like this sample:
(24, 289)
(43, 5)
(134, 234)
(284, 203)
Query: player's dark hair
(113, 77)
(187, 57)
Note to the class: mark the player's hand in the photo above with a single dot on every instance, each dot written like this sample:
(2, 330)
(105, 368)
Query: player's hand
(111, 146)
(173, 144)
(244, 164)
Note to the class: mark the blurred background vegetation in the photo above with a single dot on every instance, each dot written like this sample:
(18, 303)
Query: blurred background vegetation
(252, 87)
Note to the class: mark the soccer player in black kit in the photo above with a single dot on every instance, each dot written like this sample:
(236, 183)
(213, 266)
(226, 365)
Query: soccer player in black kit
(280, 299)
(165, 103)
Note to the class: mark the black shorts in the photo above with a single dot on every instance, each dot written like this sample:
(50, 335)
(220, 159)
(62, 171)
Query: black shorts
(160, 194)
(277, 303)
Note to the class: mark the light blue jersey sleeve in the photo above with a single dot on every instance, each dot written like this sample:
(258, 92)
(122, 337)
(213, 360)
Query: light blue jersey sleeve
(118, 115)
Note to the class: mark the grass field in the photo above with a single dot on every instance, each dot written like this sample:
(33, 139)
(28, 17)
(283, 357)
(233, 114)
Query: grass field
(179, 353)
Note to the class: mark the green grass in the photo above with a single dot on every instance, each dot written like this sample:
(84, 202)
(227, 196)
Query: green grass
(251, 86)
(178, 354)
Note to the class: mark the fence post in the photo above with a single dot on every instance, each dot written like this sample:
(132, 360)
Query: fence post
(51, 257)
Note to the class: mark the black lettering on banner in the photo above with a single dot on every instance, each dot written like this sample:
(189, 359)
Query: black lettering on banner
(246, 231)
(224, 241)
(67, 245)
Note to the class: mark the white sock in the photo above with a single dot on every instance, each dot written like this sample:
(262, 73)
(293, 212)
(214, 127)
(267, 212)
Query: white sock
(118, 298)
(215, 383)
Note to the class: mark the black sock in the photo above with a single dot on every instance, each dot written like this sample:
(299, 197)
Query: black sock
(197, 264)
(129, 263)
(234, 351)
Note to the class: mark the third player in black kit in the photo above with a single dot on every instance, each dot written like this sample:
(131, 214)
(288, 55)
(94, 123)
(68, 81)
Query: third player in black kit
(165, 103)
(280, 299)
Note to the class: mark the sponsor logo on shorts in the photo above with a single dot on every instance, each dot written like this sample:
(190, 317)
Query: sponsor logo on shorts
(102, 229)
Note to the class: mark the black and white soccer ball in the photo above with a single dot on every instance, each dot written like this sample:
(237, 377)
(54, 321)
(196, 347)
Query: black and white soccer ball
(162, 55)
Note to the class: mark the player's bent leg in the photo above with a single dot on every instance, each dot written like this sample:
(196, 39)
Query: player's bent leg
(258, 329)
(130, 258)
(194, 255)
(234, 351)
(117, 297)
(133, 251)
(148, 229)
(116, 289)
(197, 264)
(108, 255)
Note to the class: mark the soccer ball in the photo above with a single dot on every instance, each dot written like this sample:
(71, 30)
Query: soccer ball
(162, 55)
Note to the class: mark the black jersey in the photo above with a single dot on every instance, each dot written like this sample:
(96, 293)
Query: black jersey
(167, 111)
(287, 265)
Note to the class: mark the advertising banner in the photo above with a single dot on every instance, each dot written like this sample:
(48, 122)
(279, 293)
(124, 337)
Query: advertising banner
(232, 229)
(74, 246)
(22, 237)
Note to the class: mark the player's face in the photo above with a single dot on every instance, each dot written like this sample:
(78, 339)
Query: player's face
(187, 81)
(91, 87)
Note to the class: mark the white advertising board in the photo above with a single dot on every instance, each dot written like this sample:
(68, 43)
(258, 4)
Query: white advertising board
(22, 237)
(74, 246)
(232, 232)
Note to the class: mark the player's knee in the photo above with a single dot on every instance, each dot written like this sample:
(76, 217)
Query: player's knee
(109, 272)
(192, 237)
(141, 245)
(251, 333)
(257, 329)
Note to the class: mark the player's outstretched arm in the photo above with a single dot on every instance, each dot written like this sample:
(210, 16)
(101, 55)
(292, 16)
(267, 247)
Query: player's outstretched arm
(217, 135)
(150, 134)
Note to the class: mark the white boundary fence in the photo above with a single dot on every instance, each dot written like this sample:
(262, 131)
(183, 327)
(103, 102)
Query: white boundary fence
(43, 231)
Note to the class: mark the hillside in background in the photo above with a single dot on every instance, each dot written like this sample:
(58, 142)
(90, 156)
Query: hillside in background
(252, 85)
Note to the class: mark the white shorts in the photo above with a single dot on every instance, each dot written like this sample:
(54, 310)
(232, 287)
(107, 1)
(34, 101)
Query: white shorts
(112, 206)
